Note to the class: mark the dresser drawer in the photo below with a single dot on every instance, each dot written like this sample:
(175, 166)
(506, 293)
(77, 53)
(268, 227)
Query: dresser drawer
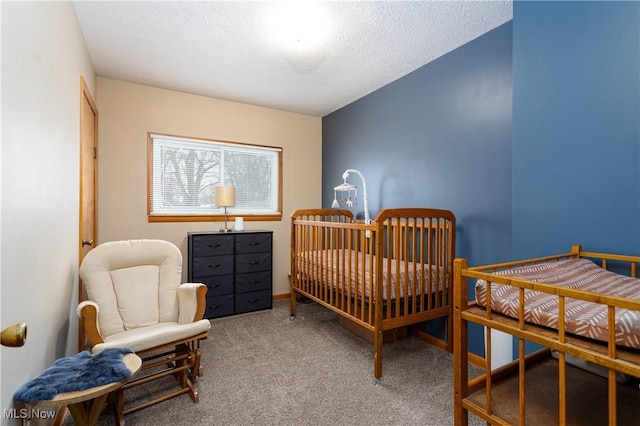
(219, 306)
(253, 243)
(212, 245)
(212, 265)
(253, 281)
(217, 284)
(253, 262)
(253, 301)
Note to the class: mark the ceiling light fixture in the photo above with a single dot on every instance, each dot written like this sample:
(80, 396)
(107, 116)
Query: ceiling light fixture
(300, 25)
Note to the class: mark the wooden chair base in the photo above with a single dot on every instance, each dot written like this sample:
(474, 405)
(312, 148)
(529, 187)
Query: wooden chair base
(179, 359)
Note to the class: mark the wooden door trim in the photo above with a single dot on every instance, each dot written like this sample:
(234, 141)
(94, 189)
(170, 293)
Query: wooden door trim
(85, 95)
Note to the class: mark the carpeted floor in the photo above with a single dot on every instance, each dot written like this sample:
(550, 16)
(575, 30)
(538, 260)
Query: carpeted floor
(264, 369)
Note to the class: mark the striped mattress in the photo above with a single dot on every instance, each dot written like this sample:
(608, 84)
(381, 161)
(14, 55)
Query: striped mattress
(582, 318)
(352, 270)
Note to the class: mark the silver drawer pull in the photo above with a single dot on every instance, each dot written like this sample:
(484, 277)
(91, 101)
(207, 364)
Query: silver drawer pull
(215, 266)
(254, 300)
(213, 285)
(254, 281)
(213, 245)
(254, 244)
(255, 262)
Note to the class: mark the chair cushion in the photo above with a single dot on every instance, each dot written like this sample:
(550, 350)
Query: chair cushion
(140, 339)
(132, 286)
(105, 273)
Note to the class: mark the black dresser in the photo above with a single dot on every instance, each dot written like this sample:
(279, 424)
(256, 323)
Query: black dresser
(236, 267)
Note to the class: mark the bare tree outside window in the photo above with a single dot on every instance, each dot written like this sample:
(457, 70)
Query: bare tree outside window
(189, 177)
(252, 176)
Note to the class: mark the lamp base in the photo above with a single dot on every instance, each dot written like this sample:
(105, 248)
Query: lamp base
(225, 229)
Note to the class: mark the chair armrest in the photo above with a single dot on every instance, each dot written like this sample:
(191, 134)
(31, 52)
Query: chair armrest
(192, 302)
(88, 312)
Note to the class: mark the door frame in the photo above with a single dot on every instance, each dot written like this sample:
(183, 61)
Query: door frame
(85, 96)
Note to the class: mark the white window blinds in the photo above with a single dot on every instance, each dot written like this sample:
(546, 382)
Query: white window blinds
(184, 172)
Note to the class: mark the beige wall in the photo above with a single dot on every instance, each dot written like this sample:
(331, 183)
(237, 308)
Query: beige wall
(128, 111)
(43, 58)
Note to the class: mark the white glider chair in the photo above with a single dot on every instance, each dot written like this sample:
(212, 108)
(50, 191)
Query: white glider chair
(135, 300)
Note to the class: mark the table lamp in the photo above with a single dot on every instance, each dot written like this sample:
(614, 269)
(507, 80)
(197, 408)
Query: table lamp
(225, 197)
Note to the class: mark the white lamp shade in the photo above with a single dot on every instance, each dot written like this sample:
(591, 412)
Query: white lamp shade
(225, 196)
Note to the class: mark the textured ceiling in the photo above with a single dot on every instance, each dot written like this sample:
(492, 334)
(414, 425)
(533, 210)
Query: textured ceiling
(230, 50)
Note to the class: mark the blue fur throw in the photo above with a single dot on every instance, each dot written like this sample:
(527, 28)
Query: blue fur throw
(74, 373)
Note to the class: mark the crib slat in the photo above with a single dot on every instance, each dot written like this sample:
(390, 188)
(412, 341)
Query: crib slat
(562, 368)
(611, 320)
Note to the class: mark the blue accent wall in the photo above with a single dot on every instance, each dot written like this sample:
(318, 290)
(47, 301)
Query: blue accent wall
(418, 142)
(530, 134)
(576, 127)
(439, 137)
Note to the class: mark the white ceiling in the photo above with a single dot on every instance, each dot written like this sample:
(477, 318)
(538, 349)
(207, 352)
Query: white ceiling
(229, 50)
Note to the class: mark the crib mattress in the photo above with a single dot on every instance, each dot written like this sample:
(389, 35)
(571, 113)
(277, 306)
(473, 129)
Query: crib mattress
(401, 279)
(582, 318)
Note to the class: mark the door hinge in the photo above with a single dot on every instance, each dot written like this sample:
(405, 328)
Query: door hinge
(95, 153)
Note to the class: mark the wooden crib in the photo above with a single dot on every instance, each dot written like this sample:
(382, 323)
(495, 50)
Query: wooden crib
(576, 310)
(390, 273)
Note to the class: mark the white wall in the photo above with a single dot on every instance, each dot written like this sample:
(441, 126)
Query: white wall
(128, 111)
(43, 58)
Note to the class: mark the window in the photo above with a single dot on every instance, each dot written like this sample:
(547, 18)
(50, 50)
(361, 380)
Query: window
(183, 172)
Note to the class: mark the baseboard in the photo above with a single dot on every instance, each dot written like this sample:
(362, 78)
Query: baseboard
(477, 360)
(281, 296)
